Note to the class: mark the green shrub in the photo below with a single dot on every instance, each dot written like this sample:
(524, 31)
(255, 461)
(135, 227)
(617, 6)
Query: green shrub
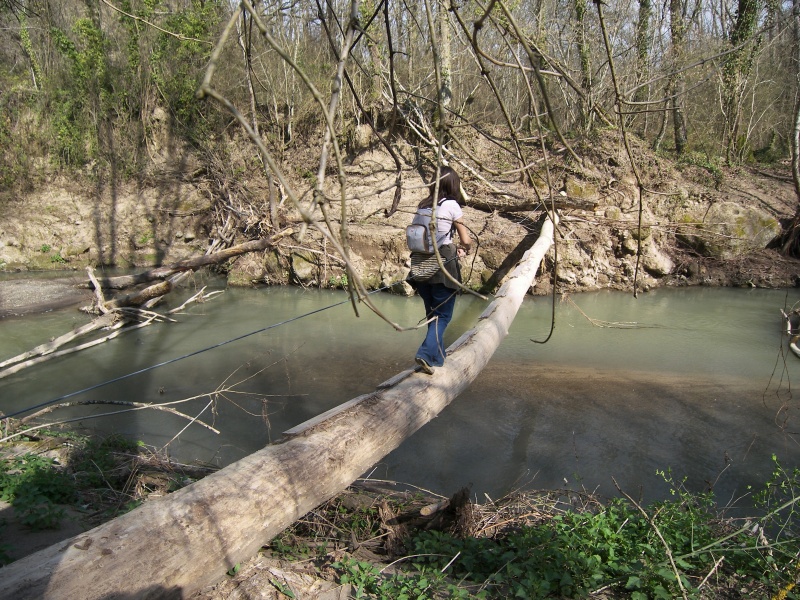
(33, 485)
(661, 551)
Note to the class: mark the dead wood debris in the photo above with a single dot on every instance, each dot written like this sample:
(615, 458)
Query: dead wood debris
(371, 522)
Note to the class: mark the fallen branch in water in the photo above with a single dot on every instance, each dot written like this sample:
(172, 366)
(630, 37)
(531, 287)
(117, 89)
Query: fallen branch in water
(608, 324)
(790, 331)
(114, 320)
(36, 361)
(53, 345)
(112, 310)
(192, 264)
(226, 387)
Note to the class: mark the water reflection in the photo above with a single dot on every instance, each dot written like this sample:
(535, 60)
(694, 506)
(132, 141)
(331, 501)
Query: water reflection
(695, 385)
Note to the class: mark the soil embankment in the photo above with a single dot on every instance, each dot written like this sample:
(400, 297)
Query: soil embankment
(698, 227)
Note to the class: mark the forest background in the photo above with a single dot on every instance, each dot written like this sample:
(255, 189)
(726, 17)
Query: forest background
(138, 133)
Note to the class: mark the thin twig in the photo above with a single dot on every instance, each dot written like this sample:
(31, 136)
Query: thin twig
(667, 549)
(711, 572)
(108, 414)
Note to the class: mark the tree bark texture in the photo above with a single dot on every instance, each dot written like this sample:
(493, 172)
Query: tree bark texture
(677, 13)
(795, 135)
(174, 546)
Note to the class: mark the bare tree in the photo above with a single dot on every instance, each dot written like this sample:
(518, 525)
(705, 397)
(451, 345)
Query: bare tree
(795, 133)
(677, 89)
(644, 34)
(789, 242)
(738, 66)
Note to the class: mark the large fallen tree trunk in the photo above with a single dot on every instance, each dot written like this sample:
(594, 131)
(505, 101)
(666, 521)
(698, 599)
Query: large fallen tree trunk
(172, 547)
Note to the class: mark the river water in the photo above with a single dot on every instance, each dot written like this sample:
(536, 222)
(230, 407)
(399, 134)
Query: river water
(697, 381)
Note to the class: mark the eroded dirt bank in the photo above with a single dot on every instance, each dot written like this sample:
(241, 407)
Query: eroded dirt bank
(698, 226)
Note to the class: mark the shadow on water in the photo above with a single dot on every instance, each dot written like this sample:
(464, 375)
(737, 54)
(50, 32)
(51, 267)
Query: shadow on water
(683, 391)
(586, 428)
(513, 257)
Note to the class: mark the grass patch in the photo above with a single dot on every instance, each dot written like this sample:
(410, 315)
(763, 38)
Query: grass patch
(103, 477)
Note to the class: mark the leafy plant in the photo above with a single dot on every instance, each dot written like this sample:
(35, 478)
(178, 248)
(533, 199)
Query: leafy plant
(338, 281)
(282, 588)
(87, 94)
(363, 576)
(95, 464)
(712, 164)
(21, 474)
(33, 485)
(661, 551)
(289, 547)
(178, 60)
(370, 582)
(37, 511)
(99, 473)
(778, 500)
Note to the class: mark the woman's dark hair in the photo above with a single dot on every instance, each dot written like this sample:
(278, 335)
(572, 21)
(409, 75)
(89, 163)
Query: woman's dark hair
(449, 187)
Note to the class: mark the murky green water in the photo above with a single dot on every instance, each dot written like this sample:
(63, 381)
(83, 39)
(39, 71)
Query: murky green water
(692, 379)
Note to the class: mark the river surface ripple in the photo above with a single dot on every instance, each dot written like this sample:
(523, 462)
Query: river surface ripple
(696, 380)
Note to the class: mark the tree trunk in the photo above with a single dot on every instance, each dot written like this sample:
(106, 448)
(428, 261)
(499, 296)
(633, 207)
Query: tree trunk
(584, 55)
(644, 42)
(795, 147)
(172, 547)
(795, 135)
(677, 15)
(192, 264)
(447, 59)
(789, 242)
(735, 72)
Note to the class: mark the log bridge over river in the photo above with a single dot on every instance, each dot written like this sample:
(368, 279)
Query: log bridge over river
(175, 546)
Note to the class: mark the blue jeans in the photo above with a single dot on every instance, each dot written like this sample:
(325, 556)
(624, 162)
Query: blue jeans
(439, 303)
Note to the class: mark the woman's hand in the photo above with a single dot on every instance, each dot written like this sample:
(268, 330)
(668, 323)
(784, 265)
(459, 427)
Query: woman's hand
(461, 253)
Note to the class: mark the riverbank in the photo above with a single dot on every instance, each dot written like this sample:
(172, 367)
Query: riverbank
(388, 541)
(704, 225)
(27, 296)
(21, 294)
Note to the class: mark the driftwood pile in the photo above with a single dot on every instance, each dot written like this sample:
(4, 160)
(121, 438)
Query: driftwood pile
(131, 311)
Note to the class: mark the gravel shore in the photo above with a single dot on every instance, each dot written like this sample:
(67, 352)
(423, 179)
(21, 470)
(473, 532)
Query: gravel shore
(27, 296)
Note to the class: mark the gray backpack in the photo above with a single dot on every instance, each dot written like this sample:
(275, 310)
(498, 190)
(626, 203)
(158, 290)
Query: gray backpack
(418, 237)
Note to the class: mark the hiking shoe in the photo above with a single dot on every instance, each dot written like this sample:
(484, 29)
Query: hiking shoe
(424, 366)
